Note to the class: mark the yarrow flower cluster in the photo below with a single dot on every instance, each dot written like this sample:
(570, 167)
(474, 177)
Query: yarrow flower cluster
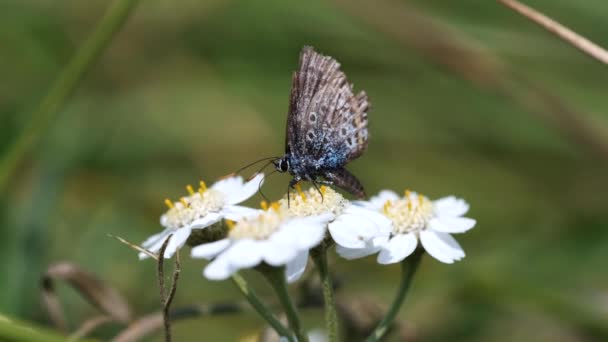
(350, 225)
(273, 236)
(284, 232)
(282, 235)
(201, 209)
(415, 218)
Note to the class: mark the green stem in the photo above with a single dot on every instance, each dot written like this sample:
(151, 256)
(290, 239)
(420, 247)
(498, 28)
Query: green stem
(276, 278)
(408, 269)
(262, 309)
(319, 256)
(64, 86)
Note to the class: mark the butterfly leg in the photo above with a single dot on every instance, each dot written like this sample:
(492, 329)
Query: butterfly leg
(314, 183)
(327, 182)
(292, 185)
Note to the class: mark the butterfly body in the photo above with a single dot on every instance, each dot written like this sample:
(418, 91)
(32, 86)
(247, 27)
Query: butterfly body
(326, 125)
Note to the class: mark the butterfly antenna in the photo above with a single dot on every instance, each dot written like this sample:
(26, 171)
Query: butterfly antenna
(263, 167)
(260, 187)
(255, 162)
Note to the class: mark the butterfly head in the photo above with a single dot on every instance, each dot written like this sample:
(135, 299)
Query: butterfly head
(282, 164)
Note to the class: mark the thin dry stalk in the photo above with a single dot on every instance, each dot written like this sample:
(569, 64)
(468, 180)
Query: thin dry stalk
(141, 328)
(96, 292)
(135, 247)
(150, 323)
(167, 299)
(464, 58)
(581, 43)
(90, 325)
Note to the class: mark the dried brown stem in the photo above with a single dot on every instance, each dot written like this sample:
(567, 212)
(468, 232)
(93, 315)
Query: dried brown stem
(135, 247)
(90, 325)
(583, 44)
(167, 299)
(99, 294)
(150, 323)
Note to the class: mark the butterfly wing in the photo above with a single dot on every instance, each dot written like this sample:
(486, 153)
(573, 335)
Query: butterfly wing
(314, 73)
(326, 120)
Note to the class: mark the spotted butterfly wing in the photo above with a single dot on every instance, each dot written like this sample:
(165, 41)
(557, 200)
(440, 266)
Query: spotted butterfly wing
(327, 123)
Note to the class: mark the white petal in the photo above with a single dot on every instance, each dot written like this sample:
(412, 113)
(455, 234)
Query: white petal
(380, 241)
(383, 223)
(296, 267)
(448, 224)
(244, 253)
(356, 253)
(344, 235)
(353, 231)
(372, 246)
(377, 202)
(284, 237)
(237, 212)
(308, 232)
(155, 238)
(178, 239)
(441, 246)
(219, 269)
(228, 185)
(206, 221)
(281, 247)
(209, 250)
(155, 248)
(278, 254)
(235, 191)
(398, 248)
(450, 206)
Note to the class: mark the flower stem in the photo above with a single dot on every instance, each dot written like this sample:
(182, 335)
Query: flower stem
(262, 309)
(114, 18)
(408, 269)
(319, 256)
(276, 278)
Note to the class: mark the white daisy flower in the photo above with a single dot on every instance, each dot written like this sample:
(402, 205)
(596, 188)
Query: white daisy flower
(414, 217)
(201, 209)
(351, 226)
(273, 237)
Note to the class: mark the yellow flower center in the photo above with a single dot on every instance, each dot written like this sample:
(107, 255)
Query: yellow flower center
(410, 213)
(258, 227)
(189, 208)
(314, 202)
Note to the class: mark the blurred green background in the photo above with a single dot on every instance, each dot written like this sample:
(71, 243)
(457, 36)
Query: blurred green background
(193, 90)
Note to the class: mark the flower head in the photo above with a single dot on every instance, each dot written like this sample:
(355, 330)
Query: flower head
(414, 217)
(314, 202)
(273, 236)
(200, 209)
(350, 225)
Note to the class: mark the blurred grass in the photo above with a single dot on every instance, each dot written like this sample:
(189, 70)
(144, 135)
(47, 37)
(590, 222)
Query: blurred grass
(11, 330)
(197, 90)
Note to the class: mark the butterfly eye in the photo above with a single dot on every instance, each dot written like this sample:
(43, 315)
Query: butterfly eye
(284, 165)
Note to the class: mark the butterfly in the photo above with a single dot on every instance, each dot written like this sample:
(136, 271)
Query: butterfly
(326, 125)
